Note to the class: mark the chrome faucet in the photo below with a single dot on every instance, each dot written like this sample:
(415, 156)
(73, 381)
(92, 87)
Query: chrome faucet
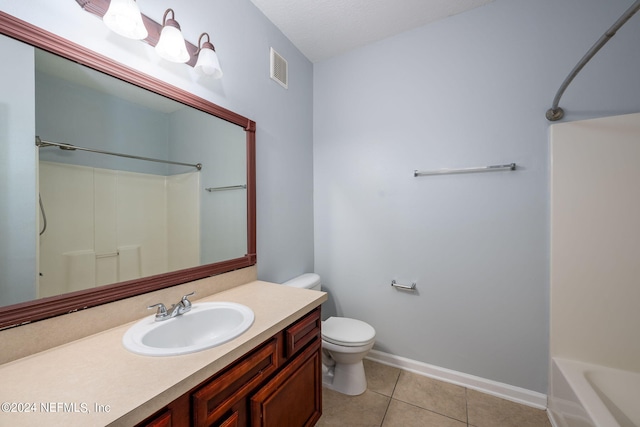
(183, 306)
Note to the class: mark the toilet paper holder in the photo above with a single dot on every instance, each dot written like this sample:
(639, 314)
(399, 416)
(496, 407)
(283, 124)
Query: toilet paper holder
(411, 287)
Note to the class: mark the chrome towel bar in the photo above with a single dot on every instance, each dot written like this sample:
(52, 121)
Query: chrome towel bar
(411, 287)
(510, 166)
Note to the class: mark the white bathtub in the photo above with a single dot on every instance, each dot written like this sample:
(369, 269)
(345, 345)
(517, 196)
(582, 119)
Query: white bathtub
(585, 395)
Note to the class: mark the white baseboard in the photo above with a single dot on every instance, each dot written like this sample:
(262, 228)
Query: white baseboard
(494, 388)
(552, 419)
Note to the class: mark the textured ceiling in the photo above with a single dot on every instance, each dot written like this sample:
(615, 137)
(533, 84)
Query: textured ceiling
(325, 28)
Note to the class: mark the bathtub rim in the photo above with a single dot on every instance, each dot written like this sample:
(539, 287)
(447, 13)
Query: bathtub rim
(574, 372)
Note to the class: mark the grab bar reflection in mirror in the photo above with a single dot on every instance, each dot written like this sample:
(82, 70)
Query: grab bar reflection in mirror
(230, 187)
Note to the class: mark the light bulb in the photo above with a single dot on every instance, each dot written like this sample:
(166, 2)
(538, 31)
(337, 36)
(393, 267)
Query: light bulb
(123, 17)
(171, 45)
(208, 62)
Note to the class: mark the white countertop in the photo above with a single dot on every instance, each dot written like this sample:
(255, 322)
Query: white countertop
(95, 381)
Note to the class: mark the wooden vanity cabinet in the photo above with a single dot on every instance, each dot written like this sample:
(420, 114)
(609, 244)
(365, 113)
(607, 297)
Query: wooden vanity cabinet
(162, 419)
(277, 384)
(290, 398)
(225, 395)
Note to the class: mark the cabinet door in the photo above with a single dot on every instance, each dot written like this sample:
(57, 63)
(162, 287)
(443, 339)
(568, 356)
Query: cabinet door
(232, 420)
(162, 419)
(226, 394)
(176, 414)
(293, 398)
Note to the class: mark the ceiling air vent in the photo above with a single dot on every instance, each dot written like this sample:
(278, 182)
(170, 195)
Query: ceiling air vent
(279, 69)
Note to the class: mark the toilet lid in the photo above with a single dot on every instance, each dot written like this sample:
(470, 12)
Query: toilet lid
(347, 332)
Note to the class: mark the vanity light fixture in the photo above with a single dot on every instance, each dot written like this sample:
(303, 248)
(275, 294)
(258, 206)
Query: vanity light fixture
(166, 37)
(171, 45)
(123, 17)
(208, 62)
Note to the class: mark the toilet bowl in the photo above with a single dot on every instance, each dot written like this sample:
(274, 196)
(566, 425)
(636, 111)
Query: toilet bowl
(345, 343)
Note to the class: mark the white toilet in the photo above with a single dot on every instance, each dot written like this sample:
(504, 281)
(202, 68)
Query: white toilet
(345, 342)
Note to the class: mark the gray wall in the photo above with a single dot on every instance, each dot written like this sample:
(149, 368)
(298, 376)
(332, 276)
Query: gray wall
(242, 36)
(221, 147)
(470, 90)
(18, 197)
(94, 119)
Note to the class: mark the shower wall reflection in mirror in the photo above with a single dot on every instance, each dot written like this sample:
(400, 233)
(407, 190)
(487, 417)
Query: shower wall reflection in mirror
(105, 219)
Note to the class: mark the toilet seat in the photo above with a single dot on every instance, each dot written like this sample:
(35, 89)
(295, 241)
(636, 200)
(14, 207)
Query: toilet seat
(347, 332)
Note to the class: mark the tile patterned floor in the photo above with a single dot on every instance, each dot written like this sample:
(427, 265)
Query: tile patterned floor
(397, 398)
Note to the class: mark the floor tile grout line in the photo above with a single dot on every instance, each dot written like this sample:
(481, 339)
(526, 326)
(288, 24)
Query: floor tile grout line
(466, 404)
(385, 412)
(395, 385)
(390, 399)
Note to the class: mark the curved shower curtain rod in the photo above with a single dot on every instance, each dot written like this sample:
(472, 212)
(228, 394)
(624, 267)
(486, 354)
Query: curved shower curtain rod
(556, 113)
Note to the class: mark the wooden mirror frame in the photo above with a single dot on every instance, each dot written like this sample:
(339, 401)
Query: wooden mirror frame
(39, 309)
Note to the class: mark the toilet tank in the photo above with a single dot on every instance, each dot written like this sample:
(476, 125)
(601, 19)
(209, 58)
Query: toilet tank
(307, 281)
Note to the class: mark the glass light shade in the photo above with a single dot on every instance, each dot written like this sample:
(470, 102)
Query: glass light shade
(208, 63)
(123, 17)
(171, 45)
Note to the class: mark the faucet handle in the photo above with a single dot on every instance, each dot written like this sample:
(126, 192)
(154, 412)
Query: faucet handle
(185, 300)
(161, 314)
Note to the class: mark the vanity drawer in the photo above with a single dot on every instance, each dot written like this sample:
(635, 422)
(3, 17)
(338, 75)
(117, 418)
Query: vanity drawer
(161, 419)
(301, 333)
(221, 394)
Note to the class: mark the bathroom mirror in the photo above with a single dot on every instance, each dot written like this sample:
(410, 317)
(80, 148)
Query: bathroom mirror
(159, 190)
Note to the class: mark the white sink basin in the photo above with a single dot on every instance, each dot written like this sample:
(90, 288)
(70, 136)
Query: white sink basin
(207, 325)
